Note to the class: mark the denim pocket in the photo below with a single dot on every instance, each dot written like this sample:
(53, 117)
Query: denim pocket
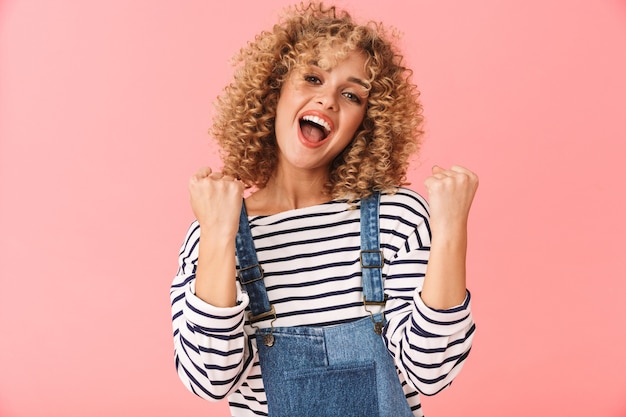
(346, 390)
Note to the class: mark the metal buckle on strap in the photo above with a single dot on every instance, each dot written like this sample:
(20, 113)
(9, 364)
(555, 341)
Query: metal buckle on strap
(378, 325)
(263, 316)
(375, 303)
(241, 271)
(268, 339)
(380, 258)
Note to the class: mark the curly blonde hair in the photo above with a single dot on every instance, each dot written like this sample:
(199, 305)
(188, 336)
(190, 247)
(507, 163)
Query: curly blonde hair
(377, 158)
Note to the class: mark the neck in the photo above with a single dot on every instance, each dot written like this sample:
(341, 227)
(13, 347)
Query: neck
(288, 192)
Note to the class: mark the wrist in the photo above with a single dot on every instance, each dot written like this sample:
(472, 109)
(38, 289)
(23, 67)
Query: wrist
(218, 232)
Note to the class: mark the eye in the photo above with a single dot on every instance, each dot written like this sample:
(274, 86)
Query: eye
(352, 97)
(312, 79)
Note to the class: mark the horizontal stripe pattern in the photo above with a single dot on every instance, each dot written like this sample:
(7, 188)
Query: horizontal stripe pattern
(312, 274)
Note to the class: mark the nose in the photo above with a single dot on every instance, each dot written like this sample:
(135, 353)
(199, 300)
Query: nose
(326, 98)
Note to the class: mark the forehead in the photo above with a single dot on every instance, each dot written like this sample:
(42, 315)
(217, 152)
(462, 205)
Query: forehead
(331, 55)
(353, 62)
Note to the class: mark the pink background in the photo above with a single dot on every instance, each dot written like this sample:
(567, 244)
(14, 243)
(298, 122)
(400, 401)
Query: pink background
(104, 110)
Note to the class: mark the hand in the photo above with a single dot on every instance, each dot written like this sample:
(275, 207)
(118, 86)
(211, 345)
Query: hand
(216, 200)
(451, 192)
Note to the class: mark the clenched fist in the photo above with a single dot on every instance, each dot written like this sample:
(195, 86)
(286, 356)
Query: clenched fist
(216, 201)
(450, 194)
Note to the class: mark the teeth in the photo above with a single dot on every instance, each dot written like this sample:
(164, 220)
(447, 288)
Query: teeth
(318, 121)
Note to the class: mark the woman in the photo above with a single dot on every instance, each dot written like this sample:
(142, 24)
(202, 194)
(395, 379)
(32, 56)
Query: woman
(331, 289)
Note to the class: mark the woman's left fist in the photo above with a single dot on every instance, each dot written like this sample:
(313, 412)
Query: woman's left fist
(450, 194)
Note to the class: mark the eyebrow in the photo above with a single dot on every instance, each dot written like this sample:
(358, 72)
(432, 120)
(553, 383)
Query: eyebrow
(354, 80)
(359, 82)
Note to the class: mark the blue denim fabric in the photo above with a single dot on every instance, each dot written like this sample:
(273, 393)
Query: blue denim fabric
(334, 371)
(371, 255)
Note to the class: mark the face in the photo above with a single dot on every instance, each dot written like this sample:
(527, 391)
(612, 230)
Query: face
(318, 113)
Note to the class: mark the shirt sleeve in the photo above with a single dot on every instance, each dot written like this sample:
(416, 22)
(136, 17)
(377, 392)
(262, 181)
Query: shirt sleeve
(212, 352)
(429, 346)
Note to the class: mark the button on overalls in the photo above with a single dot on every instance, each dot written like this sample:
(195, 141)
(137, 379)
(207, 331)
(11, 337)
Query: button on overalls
(326, 371)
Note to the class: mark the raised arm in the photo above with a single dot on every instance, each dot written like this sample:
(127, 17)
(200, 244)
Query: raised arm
(430, 328)
(216, 202)
(450, 194)
(212, 352)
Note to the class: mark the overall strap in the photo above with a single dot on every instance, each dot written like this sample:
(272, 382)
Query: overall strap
(250, 272)
(371, 254)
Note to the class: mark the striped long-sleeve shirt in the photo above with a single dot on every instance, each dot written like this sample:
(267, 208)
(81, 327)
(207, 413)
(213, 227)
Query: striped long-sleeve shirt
(310, 258)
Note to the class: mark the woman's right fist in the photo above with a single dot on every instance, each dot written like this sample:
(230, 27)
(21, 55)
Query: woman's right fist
(216, 200)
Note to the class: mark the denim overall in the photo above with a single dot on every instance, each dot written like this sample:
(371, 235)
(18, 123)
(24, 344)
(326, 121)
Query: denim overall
(326, 371)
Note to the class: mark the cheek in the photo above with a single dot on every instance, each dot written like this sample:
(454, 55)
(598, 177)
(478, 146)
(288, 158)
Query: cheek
(281, 115)
(357, 119)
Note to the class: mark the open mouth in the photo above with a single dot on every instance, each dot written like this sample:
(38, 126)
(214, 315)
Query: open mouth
(314, 129)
